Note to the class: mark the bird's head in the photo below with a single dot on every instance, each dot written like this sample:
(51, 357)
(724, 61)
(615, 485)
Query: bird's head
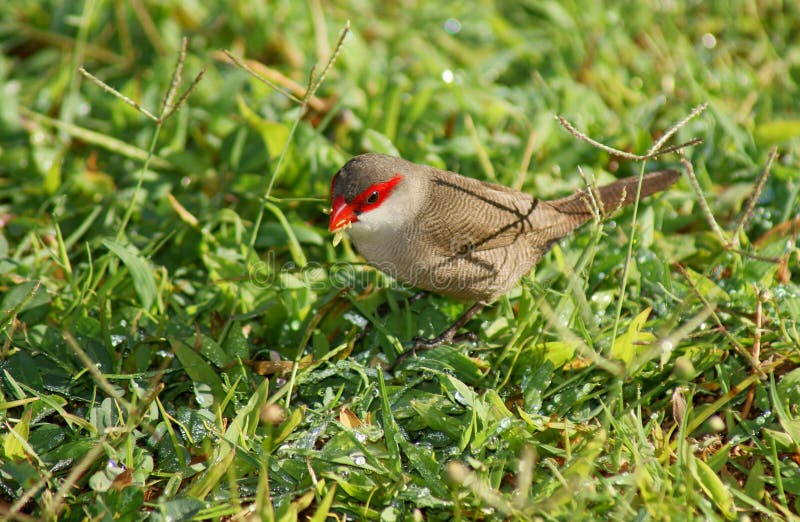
(361, 189)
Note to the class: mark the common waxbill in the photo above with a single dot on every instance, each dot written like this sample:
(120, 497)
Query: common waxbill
(457, 236)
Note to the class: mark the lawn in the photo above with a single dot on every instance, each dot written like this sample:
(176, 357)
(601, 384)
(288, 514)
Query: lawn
(181, 339)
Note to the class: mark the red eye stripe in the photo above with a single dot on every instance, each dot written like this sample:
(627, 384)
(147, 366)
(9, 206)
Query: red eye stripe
(383, 190)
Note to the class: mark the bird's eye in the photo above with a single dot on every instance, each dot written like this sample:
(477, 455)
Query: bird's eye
(373, 198)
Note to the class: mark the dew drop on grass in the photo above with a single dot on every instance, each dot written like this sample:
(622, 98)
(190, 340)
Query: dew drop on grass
(359, 460)
(562, 320)
(61, 464)
(116, 340)
(437, 438)
(709, 41)
(279, 490)
(425, 446)
(356, 319)
(452, 26)
(83, 109)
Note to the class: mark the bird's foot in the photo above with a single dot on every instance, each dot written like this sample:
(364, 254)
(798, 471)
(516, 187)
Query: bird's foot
(469, 337)
(422, 343)
(448, 336)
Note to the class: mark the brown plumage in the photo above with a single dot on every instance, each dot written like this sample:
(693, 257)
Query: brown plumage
(457, 236)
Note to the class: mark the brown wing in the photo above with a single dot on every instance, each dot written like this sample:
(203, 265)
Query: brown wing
(466, 215)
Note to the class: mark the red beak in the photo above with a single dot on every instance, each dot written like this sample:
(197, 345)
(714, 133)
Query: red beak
(341, 215)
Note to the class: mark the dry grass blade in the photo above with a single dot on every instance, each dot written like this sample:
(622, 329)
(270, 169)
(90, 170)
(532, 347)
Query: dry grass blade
(591, 195)
(175, 81)
(185, 95)
(787, 228)
(753, 198)
(526, 161)
(103, 85)
(168, 109)
(288, 87)
(678, 405)
(320, 29)
(657, 148)
(761, 297)
(332, 59)
(583, 137)
(675, 128)
(483, 156)
(701, 200)
(67, 44)
(675, 148)
(148, 26)
(268, 76)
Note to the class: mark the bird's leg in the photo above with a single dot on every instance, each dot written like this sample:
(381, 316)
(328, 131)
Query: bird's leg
(447, 336)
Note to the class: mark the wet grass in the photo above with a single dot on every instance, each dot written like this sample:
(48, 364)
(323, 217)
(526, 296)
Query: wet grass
(181, 340)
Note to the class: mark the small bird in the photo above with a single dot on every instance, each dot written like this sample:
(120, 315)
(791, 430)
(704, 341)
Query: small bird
(457, 236)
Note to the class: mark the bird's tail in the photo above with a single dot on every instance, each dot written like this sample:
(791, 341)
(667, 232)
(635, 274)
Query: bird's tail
(613, 196)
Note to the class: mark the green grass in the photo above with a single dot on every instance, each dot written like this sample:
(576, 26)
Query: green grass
(181, 341)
